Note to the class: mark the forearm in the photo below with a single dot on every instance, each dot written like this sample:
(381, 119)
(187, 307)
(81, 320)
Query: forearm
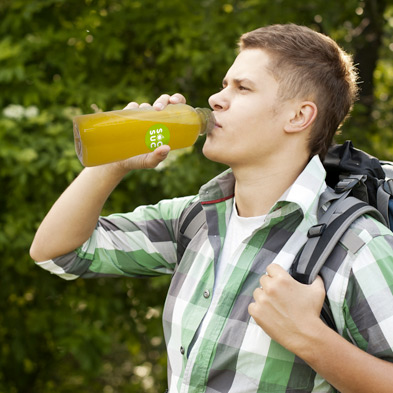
(345, 366)
(73, 217)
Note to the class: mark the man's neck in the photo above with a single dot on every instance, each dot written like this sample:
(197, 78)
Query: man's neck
(258, 189)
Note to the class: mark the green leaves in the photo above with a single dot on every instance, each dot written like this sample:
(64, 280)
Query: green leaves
(61, 58)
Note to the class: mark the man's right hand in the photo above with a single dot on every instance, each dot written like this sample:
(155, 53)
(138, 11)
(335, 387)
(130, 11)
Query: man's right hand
(150, 160)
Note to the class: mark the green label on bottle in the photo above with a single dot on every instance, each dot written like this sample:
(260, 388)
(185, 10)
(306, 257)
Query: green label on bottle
(156, 136)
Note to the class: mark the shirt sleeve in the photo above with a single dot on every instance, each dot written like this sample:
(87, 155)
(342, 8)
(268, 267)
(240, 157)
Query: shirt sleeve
(368, 304)
(141, 243)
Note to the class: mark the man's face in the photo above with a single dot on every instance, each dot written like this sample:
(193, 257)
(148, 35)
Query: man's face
(250, 119)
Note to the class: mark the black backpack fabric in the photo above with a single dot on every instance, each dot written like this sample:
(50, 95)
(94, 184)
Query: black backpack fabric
(376, 183)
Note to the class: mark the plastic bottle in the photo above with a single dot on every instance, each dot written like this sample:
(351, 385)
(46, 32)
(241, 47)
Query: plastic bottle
(105, 137)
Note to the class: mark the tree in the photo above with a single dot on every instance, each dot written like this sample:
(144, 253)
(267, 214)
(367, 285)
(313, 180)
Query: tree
(61, 58)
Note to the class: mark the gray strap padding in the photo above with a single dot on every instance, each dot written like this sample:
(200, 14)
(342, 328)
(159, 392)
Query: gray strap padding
(383, 202)
(337, 236)
(351, 241)
(388, 169)
(318, 249)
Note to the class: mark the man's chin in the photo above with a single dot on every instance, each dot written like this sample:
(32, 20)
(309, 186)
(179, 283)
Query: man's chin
(213, 154)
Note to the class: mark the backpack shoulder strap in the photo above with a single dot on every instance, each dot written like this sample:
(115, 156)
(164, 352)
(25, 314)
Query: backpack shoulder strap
(191, 220)
(323, 238)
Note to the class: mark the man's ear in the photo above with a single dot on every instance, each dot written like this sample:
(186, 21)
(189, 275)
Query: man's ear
(302, 118)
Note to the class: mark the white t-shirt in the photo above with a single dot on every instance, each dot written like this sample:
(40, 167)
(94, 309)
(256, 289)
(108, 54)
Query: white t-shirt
(239, 229)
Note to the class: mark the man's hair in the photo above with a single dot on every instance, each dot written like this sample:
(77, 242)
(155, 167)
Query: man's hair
(311, 66)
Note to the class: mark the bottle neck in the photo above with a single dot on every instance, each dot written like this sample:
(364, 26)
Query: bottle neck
(207, 120)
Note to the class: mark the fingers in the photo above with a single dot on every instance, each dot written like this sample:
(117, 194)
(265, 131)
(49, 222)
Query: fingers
(132, 105)
(160, 103)
(145, 105)
(274, 270)
(253, 309)
(166, 99)
(135, 105)
(177, 98)
(277, 277)
(274, 277)
(263, 280)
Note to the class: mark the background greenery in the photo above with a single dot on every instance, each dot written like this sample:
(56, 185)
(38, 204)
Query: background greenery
(60, 58)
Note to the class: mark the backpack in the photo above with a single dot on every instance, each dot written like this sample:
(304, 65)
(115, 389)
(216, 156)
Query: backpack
(358, 184)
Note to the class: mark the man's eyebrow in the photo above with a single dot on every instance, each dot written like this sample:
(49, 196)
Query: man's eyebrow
(238, 81)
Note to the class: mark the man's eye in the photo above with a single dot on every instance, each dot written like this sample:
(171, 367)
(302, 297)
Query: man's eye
(243, 88)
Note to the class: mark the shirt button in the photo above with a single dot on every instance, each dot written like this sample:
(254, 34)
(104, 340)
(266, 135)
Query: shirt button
(206, 293)
(182, 351)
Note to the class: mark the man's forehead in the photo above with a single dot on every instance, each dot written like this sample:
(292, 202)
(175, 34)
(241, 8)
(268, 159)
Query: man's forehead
(249, 65)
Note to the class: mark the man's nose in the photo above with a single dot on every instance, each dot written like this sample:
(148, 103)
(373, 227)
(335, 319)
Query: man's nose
(218, 101)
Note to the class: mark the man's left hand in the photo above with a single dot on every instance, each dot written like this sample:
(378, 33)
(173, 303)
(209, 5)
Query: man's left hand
(287, 310)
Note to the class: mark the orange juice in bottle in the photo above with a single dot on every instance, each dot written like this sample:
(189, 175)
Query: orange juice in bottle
(105, 137)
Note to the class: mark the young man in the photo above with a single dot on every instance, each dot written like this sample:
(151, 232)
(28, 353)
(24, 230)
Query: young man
(229, 327)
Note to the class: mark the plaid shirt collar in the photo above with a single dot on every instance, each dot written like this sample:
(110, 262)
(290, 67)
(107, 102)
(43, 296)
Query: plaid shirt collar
(302, 192)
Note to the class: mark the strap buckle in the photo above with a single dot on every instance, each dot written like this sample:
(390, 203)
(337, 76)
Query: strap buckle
(316, 230)
(345, 185)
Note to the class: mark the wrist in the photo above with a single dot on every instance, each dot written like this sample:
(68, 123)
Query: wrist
(308, 345)
(112, 173)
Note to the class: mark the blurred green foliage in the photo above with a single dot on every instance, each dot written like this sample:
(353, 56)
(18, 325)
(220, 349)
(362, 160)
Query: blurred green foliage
(60, 58)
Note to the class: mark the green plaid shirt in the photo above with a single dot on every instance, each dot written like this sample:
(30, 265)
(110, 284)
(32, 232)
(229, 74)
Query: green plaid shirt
(232, 353)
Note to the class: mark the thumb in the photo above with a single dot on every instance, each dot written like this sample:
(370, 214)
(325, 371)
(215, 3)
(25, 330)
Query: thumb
(318, 284)
(158, 155)
(318, 289)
